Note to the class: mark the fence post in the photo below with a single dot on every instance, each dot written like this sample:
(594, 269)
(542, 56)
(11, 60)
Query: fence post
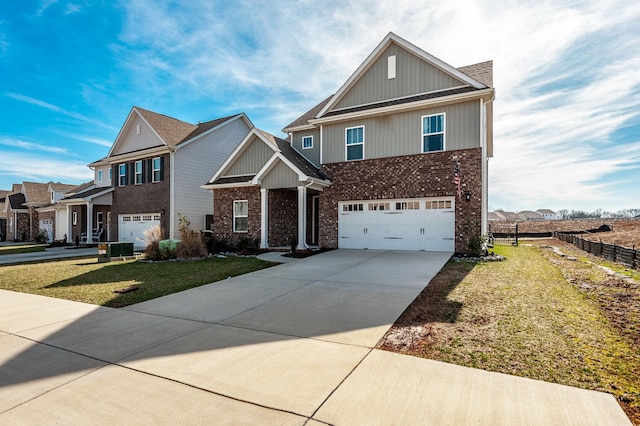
(516, 235)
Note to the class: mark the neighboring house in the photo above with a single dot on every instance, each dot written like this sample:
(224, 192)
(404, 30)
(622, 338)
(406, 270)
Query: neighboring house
(530, 215)
(153, 172)
(395, 159)
(52, 218)
(20, 208)
(3, 214)
(548, 214)
(494, 217)
(507, 216)
(86, 210)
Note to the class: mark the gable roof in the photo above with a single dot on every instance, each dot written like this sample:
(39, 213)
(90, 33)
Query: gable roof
(16, 201)
(36, 193)
(57, 186)
(475, 77)
(171, 130)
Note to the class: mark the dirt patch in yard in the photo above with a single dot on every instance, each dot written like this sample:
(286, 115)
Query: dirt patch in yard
(535, 315)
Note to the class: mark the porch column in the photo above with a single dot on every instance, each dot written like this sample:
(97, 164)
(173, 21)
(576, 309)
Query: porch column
(302, 217)
(89, 223)
(69, 225)
(264, 218)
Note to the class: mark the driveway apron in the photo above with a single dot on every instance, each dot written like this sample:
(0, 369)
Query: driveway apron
(290, 344)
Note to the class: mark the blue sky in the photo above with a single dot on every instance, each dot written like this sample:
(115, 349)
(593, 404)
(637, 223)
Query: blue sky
(567, 77)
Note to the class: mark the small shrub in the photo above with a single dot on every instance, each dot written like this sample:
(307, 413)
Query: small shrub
(475, 246)
(191, 244)
(243, 244)
(152, 237)
(42, 237)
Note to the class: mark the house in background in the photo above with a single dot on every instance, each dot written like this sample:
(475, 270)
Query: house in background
(3, 214)
(507, 216)
(153, 173)
(21, 209)
(52, 217)
(548, 214)
(397, 158)
(530, 215)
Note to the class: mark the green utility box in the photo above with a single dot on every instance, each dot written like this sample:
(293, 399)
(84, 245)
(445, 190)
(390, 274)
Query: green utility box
(169, 244)
(108, 250)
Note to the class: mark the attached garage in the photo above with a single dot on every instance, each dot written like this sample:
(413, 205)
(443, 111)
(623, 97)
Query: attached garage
(46, 225)
(402, 224)
(131, 227)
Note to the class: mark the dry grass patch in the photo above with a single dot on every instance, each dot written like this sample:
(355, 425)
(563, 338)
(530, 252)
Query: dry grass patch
(521, 317)
(30, 248)
(87, 281)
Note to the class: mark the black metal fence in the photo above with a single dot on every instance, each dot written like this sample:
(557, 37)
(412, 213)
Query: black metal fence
(627, 256)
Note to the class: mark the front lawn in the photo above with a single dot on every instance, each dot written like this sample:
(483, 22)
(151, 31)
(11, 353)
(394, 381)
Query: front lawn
(85, 280)
(30, 248)
(534, 315)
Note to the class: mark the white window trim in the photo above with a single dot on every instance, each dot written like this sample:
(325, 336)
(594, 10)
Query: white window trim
(136, 173)
(444, 132)
(307, 137)
(234, 216)
(154, 170)
(100, 175)
(75, 218)
(353, 144)
(120, 175)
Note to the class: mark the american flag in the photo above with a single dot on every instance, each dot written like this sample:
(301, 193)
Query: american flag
(456, 178)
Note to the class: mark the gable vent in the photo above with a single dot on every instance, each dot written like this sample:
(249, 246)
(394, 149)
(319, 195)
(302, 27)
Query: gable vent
(391, 67)
(137, 129)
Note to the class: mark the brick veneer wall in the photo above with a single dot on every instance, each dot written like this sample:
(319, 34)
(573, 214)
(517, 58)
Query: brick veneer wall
(413, 176)
(22, 227)
(283, 217)
(149, 197)
(223, 213)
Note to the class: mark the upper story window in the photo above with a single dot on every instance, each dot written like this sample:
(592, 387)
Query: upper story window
(307, 142)
(100, 175)
(433, 132)
(354, 137)
(156, 163)
(241, 216)
(110, 174)
(138, 170)
(122, 175)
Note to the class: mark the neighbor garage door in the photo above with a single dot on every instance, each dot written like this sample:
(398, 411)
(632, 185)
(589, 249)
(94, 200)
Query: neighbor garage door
(404, 224)
(131, 227)
(46, 225)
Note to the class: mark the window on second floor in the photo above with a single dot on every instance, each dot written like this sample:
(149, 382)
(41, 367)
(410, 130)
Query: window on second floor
(122, 174)
(354, 141)
(156, 163)
(433, 129)
(100, 175)
(307, 142)
(110, 174)
(138, 172)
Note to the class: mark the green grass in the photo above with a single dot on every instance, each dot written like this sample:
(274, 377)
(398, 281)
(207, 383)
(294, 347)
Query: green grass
(523, 317)
(22, 249)
(87, 281)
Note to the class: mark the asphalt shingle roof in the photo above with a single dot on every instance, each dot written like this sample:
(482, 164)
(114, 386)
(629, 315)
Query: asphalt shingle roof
(16, 201)
(36, 193)
(482, 72)
(171, 130)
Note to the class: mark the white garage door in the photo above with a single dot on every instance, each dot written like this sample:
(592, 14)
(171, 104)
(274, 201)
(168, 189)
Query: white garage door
(405, 224)
(47, 225)
(131, 227)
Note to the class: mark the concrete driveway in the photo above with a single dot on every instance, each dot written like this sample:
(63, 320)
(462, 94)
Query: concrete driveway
(287, 345)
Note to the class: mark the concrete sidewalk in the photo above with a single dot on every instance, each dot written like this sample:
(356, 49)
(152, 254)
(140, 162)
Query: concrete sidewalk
(288, 345)
(49, 254)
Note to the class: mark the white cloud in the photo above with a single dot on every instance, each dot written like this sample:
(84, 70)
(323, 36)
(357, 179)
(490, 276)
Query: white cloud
(45, 4)
(31, 146)
(13, 165)
(72, 8)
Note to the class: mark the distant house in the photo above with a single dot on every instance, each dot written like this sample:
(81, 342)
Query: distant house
(3, 214)
(530, 215)
(494, 217)
(20, 208)
(548, 214)
(52, 216)
(507, 216)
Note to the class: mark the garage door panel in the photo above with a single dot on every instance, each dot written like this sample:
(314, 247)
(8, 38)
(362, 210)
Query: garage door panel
(404, 224)
(131, 227)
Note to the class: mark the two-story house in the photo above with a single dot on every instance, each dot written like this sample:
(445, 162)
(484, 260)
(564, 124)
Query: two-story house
(153, 172)
(21, 210)
(396, 159)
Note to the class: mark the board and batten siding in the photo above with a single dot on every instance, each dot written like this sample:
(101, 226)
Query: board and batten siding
(136, 142)
(252, 159)
(311, 154)
(401, 134)
(413, 76)
(195, 163)
(280, 176)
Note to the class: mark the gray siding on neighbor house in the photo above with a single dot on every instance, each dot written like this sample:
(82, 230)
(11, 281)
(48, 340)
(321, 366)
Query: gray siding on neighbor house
(135, 142)
(195, 163)
(281, 176)
(252, 159)
(401, 134)
(311, 154)
(413, 76)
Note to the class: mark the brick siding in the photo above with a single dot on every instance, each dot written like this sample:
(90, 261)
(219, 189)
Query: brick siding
(223, 213)
(413, 176)
(283, 217)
